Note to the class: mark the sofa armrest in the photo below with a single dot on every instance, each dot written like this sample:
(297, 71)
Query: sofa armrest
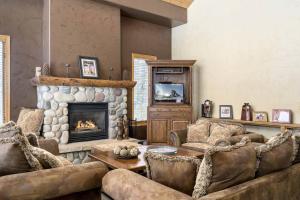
(121, 184)
(254, 137)
(49, 145)
(52, 183)
(177, 138)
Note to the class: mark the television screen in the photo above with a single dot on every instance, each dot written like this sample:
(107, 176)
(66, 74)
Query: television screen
(172, 92)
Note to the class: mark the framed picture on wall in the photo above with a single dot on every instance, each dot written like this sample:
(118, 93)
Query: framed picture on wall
(225, 112)
(282, 116)
(89, 67)
(260, 116)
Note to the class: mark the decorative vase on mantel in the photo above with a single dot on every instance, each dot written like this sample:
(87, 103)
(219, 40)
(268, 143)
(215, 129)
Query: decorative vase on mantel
(247, 112)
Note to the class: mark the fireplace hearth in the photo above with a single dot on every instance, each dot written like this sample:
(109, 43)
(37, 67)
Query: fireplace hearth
(87, 121)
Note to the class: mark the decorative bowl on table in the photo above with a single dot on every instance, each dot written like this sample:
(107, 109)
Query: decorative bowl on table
(166, 150)
(126, 152)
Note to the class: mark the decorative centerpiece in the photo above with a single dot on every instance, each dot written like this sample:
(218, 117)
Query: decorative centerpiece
(124, 152)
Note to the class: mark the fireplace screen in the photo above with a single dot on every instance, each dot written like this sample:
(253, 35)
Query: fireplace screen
(88, 121)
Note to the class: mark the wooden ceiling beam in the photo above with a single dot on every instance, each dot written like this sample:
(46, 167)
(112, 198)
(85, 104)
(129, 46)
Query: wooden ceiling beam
(180, 3)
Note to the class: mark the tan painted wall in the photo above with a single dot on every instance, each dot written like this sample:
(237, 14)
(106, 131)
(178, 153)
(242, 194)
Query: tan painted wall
(247, 51)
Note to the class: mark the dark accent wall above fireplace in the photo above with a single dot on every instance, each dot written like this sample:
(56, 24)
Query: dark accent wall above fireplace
(88, 121)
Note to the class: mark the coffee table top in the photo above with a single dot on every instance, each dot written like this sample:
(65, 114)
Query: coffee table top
(136, 164)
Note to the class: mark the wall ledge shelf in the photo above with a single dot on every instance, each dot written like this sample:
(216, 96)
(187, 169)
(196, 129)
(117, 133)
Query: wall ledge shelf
(61, 81)
(282, 126)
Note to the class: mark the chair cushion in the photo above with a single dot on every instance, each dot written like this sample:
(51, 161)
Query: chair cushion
(197, 146)
(223, 167)
(218, 131)
(177, 172)
(31, 120)
(276, 154)
(198, 132)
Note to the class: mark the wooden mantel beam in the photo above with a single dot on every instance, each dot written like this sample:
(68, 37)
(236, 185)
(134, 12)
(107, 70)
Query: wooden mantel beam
(52, 80)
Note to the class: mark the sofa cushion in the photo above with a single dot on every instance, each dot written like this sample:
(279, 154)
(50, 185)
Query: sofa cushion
(223, 167)
(198, 132)
(196, 146)
(177, 172)
(218, 131)
(275, 154)
(15, 154)
(31, 120)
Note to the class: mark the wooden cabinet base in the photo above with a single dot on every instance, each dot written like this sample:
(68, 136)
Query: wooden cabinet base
(163, 119)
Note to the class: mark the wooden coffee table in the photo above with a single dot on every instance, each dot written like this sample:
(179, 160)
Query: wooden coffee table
(137, 164)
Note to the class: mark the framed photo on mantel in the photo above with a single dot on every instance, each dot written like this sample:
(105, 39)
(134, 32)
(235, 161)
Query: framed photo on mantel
(89, 67)
(226, 112)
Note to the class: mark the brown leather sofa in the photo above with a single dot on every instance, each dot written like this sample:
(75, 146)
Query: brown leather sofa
(122, 184)
(179, 139)
(70, 182)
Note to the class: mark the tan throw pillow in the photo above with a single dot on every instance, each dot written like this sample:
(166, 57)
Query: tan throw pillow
(276, 154)
(223, 167)
(218, 131)
(296, 140)
(198, 132)
(31, 120)
(236, 129)
(47, 159)
(176, 172)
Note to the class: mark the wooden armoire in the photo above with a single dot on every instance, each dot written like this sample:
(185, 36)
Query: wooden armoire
(170, 98)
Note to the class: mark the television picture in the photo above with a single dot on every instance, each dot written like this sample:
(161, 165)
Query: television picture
(169, 92)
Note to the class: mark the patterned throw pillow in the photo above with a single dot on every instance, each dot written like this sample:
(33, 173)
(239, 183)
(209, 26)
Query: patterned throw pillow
(177, 172)
(198, 132)
(276, 154)
(218, 131)
(223, 167)
(236, 129)
(15, 154)
(31, 120)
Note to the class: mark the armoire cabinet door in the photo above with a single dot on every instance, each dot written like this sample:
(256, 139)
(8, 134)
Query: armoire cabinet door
(179, 125)
(159, 130)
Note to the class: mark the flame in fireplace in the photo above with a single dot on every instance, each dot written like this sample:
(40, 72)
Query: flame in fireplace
(89, 124)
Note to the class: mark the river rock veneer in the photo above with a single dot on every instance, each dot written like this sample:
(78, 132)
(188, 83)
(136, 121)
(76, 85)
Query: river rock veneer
(54, 100)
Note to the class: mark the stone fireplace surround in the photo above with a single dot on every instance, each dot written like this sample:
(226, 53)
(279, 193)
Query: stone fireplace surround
(54, 94)
(54, 100)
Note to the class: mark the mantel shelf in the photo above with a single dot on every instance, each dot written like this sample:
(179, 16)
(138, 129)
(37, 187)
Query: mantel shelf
(52, 80)
(262, 124)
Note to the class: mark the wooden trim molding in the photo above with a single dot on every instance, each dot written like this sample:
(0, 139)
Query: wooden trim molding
(136, 56)
(6, 75)
(51, 80)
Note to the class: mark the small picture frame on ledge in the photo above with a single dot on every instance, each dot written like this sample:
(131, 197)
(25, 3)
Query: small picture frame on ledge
(225, 112)
(259, 116)
(89, 67)
(282, 116)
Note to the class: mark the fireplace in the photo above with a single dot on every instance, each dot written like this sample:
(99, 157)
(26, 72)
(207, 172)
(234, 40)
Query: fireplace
(88, 121)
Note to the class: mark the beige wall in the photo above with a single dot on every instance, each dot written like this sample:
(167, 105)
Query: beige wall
(247, 51)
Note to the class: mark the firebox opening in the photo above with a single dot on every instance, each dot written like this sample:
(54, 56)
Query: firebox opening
(88, 121)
